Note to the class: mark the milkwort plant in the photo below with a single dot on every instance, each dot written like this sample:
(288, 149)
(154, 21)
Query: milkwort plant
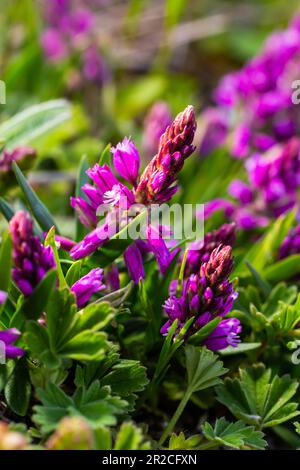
(121, 343)
(101, 329)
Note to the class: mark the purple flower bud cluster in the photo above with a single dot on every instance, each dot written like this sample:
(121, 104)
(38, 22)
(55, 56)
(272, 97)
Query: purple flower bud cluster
(7, 338)
(158, 181)
(155, 124)
(70, 29)
(200, 251)
(257, 100)
(273, 182)
(88, 285)
(206, 295)
(113, 198)
(31, 259)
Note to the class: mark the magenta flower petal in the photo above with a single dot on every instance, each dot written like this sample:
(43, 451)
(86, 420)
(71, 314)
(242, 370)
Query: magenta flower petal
(134, 263)
(88, 285)
(3, 297)
(224, 335)
(126, 160)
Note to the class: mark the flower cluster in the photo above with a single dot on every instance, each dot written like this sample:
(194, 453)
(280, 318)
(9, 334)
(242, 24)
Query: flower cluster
(207, 294)
(71, 26)
(157, 184)
(200, 251)
(274, 179)
(255, 102)
(158, 181)
(32, 260)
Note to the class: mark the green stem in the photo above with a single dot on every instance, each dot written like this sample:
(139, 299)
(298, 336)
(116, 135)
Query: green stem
(175, 417)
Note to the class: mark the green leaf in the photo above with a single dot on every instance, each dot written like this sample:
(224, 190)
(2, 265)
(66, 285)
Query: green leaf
(180, 442)
(39, 210)
(33, 122)
(268, 245)
(70, 334)
(73, 273)
(283, 270)
(197, 338)
(203, 369)
(105, 157)
(257, 399)
(33, 306)
(241, 348)
(102, 438)
(263, 285)
(5, 261)
(297, 427)
(126, 378)
(18, 389)
(235, 435)
(130, 437)
(173, 11)
(85, 346)
(95, 404)
(6, 210)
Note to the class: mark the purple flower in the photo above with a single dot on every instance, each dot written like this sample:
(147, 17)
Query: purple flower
(115, 200)
(104, 181)
(88, 285)
(224, 335)
(127, 160)
(71, 30)
(93, 240)
(274, 180)
(241, 141)
(53, 45)
(112, 279)
(21, 155)
(206, 294)
(257, 99)
(94, 67)
(78, 22)
(158, 181)
(155, 124)
(8, 337)
(134, 263)
(241, 191)
(291, 243)
(3, 297)
(31, 259)
(215, 205)
(214, 130)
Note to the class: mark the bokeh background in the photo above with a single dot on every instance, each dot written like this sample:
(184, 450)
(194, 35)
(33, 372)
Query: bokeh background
(113, 59)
